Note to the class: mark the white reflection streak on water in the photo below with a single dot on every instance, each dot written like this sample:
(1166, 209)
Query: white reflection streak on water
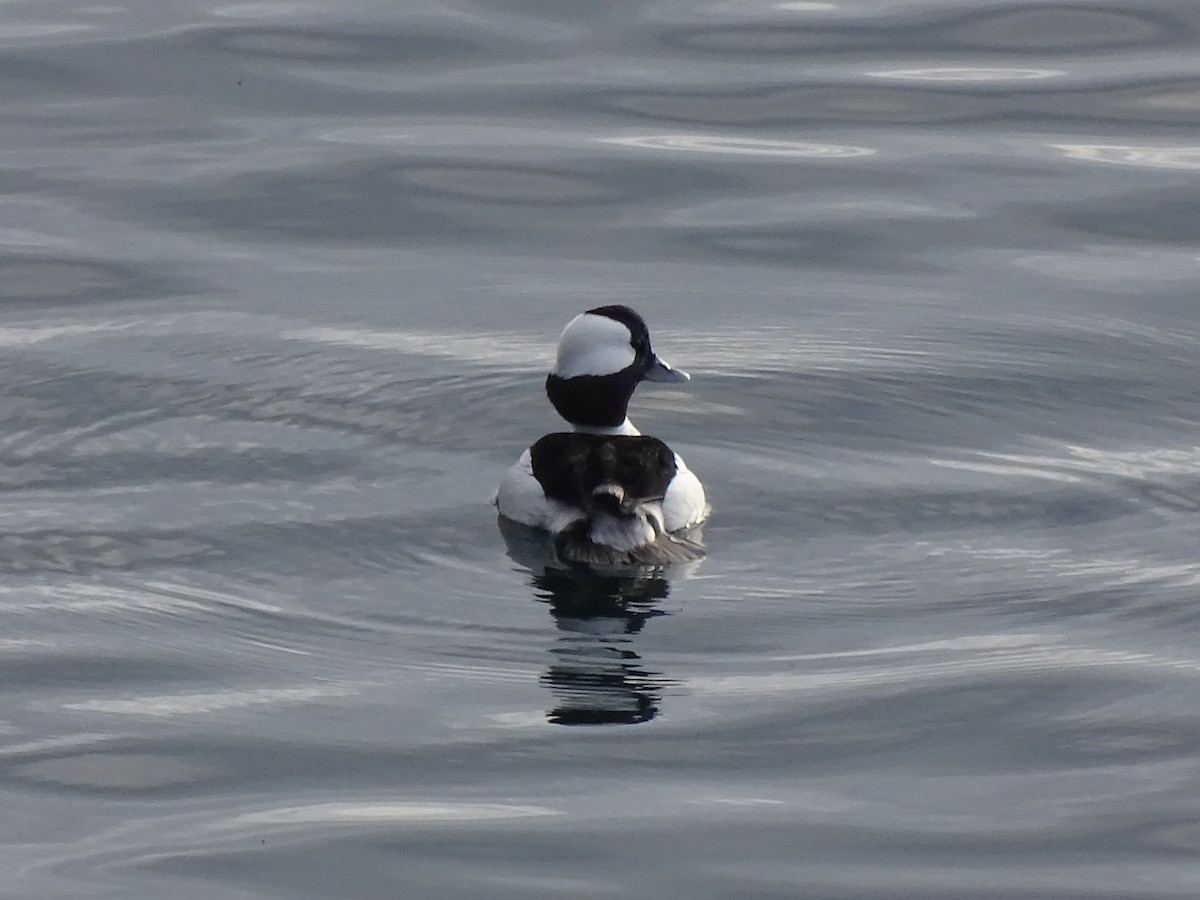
(166, 705)
(1074, 569)
(1115, 268)
(1024, 654)
(966, 74)
(718, 347)
(1185, 157)
(39, 29)
(21, 336)
(399, 812)
(1083, 460)
(154, 596)
(701, 143)
(463, 347)
(1006, 469)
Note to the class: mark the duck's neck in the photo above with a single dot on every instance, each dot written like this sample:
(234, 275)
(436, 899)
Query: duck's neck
(594, 403)
(625, 427)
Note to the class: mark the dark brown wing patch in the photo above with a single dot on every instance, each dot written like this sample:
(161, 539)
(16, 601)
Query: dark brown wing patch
(559, 464)
(569, 466)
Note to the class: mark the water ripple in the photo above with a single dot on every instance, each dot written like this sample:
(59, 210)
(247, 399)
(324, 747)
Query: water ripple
(968, 74)
(1186, 158)
(931, 265)
(1048, 27)
(740, 146)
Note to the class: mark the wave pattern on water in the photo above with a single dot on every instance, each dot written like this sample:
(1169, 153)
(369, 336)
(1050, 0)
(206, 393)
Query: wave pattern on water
(281, 284)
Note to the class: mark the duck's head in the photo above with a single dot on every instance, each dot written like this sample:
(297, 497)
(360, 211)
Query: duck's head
(603, 355)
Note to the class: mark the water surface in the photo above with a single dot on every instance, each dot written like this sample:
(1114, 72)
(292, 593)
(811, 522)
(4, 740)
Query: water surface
(281, 282)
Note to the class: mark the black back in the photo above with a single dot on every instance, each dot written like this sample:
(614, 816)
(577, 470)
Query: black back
(570, 466)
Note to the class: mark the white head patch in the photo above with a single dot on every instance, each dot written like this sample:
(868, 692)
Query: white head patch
(593, 345)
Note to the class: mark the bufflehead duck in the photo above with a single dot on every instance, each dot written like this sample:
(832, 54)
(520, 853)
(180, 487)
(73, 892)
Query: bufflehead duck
(603, 355)
(617, 484)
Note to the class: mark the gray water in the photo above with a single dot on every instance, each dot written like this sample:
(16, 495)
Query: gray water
(279, 283)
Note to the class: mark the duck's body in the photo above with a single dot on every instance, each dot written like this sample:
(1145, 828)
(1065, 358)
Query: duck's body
(611, 489)
(603, 355)
(522, 498)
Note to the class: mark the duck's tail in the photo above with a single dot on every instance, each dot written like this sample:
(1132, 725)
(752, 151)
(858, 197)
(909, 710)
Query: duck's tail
(586, 544)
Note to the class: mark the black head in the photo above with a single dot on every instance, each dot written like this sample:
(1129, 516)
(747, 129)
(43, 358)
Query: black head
(603, 355)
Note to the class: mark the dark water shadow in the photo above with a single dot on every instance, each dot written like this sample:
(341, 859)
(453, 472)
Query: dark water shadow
(1062, 28)
(44, 281)
(595, 676)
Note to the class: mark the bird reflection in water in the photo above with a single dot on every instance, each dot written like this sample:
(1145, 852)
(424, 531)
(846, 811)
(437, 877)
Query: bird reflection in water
(596, 676)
